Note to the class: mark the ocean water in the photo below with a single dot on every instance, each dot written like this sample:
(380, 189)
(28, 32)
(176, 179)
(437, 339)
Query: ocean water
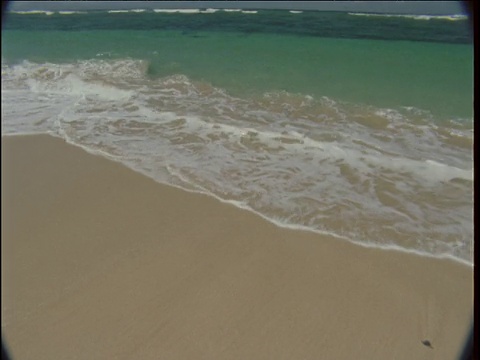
(355, 125)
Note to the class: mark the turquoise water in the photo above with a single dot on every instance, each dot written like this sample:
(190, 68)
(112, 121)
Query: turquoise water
(374, 65)
(357, 126)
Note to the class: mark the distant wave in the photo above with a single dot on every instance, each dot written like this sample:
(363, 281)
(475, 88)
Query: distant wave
(71, 12)
(416, 17)
(45, 12)
(242, 11)
(182, 11)
(127, 11)
(187, 11)
(209, 11)
(33, 12)
(296, 12)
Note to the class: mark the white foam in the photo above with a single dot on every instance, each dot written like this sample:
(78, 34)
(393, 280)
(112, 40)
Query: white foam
(126, 11)
(299, 172)
(209, 11)
(71, 12)
(446, 173)
(455, 17)
(439, 17)
(181, 11)
(295, 12)
(71, 84)
(249, 11)
(242, 205)
(33, 12)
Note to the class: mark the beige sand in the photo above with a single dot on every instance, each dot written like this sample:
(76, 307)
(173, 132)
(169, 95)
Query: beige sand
(99, 262)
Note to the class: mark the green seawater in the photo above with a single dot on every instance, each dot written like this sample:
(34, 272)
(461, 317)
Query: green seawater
(433, 74)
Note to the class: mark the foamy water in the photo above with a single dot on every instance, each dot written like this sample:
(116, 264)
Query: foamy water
(375, 176)
(454, 17)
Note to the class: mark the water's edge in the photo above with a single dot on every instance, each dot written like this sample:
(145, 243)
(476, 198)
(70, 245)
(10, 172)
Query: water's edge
(241, 206)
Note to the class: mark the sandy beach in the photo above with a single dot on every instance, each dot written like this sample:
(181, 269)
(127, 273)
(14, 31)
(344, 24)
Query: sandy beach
(100, 262)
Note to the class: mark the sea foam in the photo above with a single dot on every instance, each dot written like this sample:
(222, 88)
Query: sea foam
(455, 17)
(399, 186)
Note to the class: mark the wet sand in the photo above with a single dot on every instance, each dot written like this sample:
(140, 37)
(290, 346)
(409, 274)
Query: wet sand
(100, 262)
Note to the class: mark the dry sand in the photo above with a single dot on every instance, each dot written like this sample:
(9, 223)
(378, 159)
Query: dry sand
(99, 262)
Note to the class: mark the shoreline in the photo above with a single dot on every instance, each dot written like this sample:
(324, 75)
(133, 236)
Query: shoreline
(190, 276)
(391, 247)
